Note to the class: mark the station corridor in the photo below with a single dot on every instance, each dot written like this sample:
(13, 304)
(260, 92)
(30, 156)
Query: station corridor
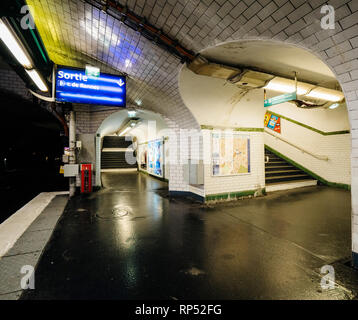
(132, 241)
(178, 150)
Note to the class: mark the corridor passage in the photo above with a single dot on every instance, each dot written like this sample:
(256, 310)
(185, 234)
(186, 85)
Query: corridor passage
(130, 240)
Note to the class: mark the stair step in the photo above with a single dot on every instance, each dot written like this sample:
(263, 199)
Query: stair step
(287, 178)
(278, 186)
(279, 171)
(116, 159)
(277, 163)
(283, 167)
(283, 173)
(116, 142)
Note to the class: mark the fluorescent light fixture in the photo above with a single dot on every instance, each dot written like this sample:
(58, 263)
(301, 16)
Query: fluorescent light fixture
(131, 114)
(139, 102)
(325, 95)
(14, 46)
(133, 124)
(34, 75)
(285, 87)
(334, 106)
(304, 89)
(124, 131)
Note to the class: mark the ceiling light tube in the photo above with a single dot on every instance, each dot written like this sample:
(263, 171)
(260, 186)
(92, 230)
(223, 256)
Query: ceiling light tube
(287, 86)
(13, 44)
(320, 94)
(334, 106)
(34, 75)
(124, 131)
(304, 89)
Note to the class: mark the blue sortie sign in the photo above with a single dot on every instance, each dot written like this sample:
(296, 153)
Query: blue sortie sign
(73, 85)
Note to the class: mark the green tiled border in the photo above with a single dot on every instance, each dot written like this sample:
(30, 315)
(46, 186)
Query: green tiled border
(231, 195)
(308, 127)
(317, 177)
(203, 126)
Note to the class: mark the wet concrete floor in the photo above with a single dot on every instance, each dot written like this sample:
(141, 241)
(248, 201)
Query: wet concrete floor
(132, 241)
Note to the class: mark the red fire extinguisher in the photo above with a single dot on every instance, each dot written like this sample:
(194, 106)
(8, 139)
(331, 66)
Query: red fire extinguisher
(86, 178)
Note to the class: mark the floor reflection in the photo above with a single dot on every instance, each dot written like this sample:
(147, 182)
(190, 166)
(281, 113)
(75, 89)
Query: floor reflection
(265, 248)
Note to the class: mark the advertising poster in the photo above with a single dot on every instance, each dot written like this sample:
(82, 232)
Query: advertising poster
(272, 122)
(230, 154)
(155, 157)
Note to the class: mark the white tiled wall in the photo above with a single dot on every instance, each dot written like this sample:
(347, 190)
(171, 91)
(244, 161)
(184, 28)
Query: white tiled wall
(336, 147)
(10, 81)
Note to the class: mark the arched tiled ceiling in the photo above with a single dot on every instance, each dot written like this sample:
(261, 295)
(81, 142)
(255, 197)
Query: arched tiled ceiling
(76, 33)
(73, 30)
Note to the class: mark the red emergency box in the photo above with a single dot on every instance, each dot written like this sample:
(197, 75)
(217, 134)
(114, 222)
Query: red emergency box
(86, 178)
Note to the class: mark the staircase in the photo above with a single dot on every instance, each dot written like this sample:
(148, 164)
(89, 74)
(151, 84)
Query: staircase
(281, 175)
(116, 142)
(113, 154)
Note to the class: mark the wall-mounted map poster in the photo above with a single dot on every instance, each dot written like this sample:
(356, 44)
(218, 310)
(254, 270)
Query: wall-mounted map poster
(155, 157)
(230, 154)
(272, 122)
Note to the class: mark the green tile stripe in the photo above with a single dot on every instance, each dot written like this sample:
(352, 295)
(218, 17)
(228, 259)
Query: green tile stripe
(203, 126)
(312, 174)
(308, 127)
(38, 44)
(231, 195)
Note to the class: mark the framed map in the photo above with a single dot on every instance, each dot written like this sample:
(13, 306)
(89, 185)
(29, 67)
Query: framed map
(230, 154)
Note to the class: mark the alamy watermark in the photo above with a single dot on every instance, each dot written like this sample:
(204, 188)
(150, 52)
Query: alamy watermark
(328, 21)
(28, 280)
(328, 279)
(27, 21)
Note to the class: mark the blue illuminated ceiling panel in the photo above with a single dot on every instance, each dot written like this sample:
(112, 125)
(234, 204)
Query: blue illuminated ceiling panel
(73, 85)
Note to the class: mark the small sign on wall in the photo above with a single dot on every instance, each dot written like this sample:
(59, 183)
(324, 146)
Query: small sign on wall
(272, 122)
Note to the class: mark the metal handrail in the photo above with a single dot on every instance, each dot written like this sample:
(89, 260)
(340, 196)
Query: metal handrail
(319, 157)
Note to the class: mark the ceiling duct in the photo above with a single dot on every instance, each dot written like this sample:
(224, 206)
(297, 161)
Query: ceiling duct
(251, 79)
(308, 95)
(205, 68)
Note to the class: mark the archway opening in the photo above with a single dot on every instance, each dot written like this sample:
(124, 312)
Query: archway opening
(305, 141)
(132, 141)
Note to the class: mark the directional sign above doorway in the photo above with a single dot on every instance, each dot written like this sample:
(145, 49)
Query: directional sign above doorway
(280, 99)
(74, 85)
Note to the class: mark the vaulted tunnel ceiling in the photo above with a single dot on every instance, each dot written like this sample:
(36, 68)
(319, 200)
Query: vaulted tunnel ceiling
(76, 33)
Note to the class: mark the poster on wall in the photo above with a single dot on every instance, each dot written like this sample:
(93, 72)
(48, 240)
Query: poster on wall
(272, 122)
(230, 154)
(155, 157)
